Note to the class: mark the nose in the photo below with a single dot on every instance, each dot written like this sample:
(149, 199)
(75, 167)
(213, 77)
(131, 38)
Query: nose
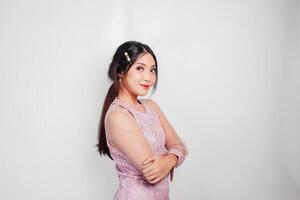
(147, 76)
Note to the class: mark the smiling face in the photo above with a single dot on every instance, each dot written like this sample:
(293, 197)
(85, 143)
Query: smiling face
(141, 76)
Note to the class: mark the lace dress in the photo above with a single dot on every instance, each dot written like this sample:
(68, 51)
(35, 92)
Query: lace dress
(132, 184)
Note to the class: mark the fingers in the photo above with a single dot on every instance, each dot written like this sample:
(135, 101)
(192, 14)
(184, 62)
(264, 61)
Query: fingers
(150, 172)
(150, 169)
(153, 177)
(148, 162)
(146, 165)
(150, 159)
(147, 170)
(155, 180)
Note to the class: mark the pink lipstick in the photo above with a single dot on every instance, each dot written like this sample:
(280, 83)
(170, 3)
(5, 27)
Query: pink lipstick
(145, 86)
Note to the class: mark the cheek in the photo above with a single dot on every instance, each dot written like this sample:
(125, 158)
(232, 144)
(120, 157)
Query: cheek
(132, 80)
(154, 78)
(133, 77)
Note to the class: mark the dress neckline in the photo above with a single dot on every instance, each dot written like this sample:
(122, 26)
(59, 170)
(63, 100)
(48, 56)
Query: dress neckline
(128, 105)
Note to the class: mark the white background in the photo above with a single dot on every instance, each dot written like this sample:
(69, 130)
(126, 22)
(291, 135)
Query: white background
(228, 82)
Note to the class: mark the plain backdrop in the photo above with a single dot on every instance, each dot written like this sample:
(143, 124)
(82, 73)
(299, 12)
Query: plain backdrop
(228, 82)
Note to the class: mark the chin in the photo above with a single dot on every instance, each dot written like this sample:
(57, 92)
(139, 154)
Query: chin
(142, 93)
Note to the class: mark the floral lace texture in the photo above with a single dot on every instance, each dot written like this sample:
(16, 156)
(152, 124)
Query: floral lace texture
(132, 184)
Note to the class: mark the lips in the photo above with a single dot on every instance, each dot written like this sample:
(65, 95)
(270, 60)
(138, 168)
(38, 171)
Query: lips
(145, 86)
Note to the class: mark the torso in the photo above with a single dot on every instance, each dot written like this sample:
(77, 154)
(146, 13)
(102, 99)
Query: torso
(131, 180)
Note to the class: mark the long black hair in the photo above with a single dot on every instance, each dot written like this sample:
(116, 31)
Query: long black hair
(119, 65)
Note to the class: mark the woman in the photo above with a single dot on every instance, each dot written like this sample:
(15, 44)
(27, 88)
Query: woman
(134, 132)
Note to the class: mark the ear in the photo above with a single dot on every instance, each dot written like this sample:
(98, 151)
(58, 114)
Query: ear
(120, 75)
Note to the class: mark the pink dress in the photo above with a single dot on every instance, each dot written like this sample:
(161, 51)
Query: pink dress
(132, 184)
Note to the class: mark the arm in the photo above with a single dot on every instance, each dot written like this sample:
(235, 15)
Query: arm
(157, 167)
(126, 135)
(174, 144)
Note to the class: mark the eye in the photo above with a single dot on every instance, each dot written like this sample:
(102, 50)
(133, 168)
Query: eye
(153, 70)
(139, 68)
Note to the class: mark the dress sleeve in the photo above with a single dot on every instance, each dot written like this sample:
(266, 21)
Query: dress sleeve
(174, 144)
(126, 135)
(178, 150)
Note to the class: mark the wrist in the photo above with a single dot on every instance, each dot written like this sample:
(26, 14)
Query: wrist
(173, 159)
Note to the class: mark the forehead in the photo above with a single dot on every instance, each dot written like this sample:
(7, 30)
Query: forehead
(145, 59)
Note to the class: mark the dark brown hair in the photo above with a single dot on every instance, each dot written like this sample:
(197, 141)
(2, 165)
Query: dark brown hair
(118, 65)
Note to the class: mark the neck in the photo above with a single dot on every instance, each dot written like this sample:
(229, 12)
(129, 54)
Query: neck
(127, 97)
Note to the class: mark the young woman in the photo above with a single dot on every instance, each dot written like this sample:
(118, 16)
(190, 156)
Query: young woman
(134, 132)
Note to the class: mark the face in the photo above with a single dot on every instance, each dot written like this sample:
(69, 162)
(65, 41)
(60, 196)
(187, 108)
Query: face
(141, 76)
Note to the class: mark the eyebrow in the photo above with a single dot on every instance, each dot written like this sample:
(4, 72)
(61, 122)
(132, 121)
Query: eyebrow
(145, 64)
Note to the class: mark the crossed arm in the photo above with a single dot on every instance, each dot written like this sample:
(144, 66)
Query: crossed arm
(174, 144)
(125, 134)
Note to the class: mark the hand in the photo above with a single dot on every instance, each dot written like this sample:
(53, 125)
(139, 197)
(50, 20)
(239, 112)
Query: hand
(156, 168)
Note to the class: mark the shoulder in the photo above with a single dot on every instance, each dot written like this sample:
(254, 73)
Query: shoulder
(152, 104)
(119, 118)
